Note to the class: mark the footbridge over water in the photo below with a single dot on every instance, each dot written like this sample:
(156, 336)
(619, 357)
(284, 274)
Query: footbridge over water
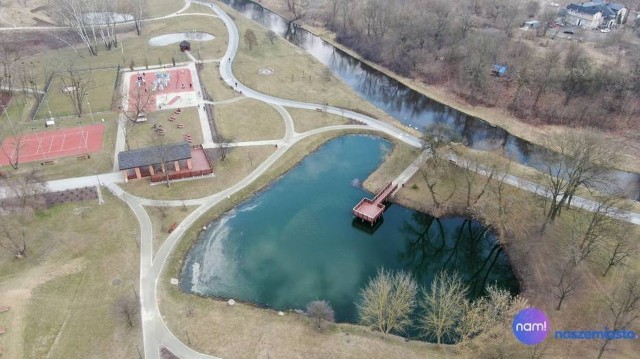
(370, 210)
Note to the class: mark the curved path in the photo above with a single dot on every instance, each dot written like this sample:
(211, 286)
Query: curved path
(156, 334)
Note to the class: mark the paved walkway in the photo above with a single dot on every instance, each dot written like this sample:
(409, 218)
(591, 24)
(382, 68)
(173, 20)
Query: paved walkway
(156, 334)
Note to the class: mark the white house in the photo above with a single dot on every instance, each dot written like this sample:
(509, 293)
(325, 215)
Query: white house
(592, 15)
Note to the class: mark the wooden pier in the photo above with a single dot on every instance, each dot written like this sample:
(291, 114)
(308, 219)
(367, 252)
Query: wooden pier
(371, 210)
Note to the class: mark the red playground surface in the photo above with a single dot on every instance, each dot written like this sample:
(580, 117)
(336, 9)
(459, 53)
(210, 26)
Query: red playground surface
(45, 146)
(145, 85)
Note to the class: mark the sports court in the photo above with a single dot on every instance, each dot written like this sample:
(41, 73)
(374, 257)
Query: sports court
(162, 89)
(48, 145)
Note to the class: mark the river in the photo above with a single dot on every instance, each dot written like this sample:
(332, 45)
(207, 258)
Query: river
(409, 106)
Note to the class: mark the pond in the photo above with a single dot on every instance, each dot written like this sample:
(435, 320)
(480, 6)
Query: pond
(174, 38)
(296, 241)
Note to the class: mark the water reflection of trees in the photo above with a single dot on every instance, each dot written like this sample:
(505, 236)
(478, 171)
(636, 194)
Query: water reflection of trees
(464, 245)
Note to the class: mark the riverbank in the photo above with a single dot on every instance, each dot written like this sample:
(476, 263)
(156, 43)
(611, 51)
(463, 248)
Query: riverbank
(535, 134)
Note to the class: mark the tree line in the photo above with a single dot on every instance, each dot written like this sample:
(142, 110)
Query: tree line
(455, 43)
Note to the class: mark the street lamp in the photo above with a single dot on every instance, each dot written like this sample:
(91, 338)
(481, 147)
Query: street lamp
(90, 112)
(48, 108)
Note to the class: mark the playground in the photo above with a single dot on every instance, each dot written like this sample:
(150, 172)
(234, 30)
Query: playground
(162, 89)
(46, 146)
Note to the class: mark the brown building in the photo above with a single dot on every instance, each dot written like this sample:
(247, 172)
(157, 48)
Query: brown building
(147, 162)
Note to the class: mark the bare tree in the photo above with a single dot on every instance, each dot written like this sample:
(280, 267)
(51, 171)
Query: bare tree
(566, 284)
(136, 9)
(271, 36)
(320, 311)
(250, 39)
(623, 307)
(73, 13)
(12, 152)
(224, 145)
(486, 319)
(164, 213)
(546, 19)
(443, 306)
(619, 249)
(475, 171)
(298, 8)
(10, 54)
(579, 70)
(581, 159)
(387, 302)
(437, 173)
(159, 142)
(592, 233)
(24, 190)
(76, 85)
(14, 231)
(545, 73)
(23, 196)
(127, 309)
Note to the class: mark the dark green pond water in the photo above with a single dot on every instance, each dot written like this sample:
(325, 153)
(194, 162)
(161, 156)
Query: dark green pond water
(296, 241)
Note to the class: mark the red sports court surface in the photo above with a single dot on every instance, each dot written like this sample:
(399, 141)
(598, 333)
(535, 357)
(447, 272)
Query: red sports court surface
(44, 146)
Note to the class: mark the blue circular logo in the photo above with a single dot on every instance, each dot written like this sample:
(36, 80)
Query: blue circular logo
(531, 326)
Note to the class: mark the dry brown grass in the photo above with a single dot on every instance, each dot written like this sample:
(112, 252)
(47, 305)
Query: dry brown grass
(394, 163)
(55, 311)
(218, 89)
(143, 135)
(306, 120)
(298, 76)
(161, 224)
(249, 120)
(243, 331)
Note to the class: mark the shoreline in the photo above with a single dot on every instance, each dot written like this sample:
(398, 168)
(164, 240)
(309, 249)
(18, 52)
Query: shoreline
(534, 134)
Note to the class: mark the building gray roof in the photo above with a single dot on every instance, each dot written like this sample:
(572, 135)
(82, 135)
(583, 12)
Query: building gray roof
(153, 155)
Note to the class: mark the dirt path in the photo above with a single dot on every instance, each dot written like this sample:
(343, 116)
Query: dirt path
(16, 293)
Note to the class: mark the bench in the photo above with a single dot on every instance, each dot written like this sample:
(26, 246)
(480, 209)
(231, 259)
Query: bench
(173, 227)
(84, 157)
(47, 163)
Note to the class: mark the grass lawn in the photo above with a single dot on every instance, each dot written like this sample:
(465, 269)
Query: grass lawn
(99, 96)
(238, 164)
(218, 89)
(306, 120)
(142, 134)
(394, 163)
(297, 76)
(155, 8)
(18, 111)
(136, 49)
(249, 120)
(243, 331)
(62, 294)
(162, 218)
